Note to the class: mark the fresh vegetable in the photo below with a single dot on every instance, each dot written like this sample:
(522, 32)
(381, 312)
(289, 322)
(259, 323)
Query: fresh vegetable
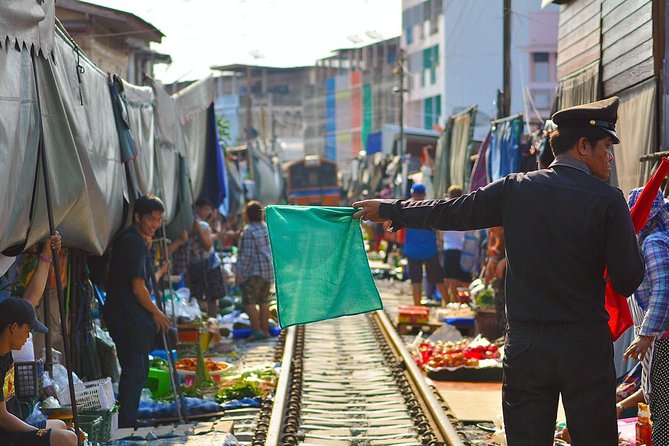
(236, 389)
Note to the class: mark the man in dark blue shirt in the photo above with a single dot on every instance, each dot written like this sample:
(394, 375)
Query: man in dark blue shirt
(132, 318)
(563, 226)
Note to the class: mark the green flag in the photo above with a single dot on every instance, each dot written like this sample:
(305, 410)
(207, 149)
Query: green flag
(320, 265)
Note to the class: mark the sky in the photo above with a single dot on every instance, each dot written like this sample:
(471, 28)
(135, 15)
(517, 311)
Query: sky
(204, 33)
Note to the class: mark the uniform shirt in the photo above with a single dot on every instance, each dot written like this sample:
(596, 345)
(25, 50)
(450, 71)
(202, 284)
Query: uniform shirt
(254, 257)
(122, 312)
(563, 226)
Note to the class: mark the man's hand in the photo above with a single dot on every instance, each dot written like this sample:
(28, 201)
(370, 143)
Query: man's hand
(162, 322)
(638, 348)
(164, 268)
(369, 210)
(183, 238)
(54, 242)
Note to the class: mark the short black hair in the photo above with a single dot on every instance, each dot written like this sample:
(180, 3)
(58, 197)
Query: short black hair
(253, 211)
(564, 138)
(202, 202)
(454, 191)
(147, 204)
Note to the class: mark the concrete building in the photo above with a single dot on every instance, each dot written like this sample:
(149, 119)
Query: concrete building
(351, 100)
(453, 51)
(275, 111)
(116, 41)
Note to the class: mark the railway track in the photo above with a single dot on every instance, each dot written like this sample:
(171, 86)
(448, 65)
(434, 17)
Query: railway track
(351, 381)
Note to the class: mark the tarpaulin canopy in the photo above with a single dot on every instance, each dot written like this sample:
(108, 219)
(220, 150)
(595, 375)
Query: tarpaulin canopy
(192, 103)
(320, 265)
(139, 106)
(169, 146)
(214, 185)
(80, 132)
(28, 24)
(80, 141)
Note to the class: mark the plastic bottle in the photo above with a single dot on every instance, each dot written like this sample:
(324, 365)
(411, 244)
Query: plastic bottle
(643, 426)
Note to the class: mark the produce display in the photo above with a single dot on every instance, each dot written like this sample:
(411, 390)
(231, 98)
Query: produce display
(190, 365)
(470, 353)
(250, 383)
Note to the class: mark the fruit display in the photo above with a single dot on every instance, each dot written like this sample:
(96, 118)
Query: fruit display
(470, 353)
(190, 365)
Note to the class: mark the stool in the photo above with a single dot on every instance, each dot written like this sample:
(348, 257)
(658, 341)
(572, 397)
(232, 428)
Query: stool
(158, 382)
(162, 354)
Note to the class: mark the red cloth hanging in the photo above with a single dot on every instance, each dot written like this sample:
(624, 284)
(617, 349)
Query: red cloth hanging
(620, 318)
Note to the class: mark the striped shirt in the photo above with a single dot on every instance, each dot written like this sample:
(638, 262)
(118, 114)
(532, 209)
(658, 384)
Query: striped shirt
(653, 294)
(254, 257)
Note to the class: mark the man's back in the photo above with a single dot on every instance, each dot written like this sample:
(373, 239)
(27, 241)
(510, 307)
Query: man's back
(564, 227)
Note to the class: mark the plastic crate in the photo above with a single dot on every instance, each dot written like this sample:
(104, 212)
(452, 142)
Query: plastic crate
(27, 378)
(92, 425)
(105, 426)
(92, 395)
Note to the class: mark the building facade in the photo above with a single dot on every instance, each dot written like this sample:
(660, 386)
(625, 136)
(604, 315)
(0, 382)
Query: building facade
(454, 59)
(351, 100)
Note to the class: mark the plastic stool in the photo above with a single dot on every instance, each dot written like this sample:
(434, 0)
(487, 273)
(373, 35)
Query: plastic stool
(158, 382)
(162, 354)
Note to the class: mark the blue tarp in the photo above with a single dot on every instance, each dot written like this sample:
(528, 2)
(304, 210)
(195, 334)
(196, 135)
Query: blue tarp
(503, 155)
(214, 187)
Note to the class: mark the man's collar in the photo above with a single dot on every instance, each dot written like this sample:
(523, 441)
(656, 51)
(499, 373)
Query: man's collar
(571, 162)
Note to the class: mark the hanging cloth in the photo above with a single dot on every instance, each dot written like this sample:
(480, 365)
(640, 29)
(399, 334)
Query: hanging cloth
(503, 155)
(320, 265)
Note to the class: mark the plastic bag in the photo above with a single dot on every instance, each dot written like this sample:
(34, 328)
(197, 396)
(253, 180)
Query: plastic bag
(60, 377)
(48, 386)
(445, 333)
(36, 417)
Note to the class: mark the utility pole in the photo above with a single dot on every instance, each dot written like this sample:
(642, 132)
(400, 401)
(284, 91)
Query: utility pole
(399, 70)
(506, 55)
(249, 142)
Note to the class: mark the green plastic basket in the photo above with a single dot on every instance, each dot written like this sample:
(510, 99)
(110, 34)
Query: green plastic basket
(103, 432)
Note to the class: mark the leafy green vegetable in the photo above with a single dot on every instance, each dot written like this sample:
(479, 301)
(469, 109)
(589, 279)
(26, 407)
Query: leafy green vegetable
(240, 389)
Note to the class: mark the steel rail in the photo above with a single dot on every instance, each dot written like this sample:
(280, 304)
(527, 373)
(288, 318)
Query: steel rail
(282, 390)
(443, 424)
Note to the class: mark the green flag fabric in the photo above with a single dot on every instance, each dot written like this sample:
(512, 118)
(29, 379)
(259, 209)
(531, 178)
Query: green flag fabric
(320, 265)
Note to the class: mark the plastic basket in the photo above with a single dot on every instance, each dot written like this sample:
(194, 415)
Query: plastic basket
(104, 427)
(92, 395)
(27, 377)
(91, 424)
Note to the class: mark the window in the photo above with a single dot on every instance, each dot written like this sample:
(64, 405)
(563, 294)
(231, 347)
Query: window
(431, 111)
(542, 99)
(541, 68)
(427, 113)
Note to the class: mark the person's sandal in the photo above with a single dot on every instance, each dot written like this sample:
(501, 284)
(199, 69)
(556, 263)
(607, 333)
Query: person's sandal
(258, 336)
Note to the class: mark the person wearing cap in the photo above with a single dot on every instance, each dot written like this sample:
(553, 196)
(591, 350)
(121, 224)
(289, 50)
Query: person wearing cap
(558, 342)
(650, 311)
(420, 248)
(17, 319)
(132, 318)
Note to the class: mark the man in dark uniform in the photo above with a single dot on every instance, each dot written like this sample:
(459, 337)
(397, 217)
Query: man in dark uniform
(132, 318)
(563, 226)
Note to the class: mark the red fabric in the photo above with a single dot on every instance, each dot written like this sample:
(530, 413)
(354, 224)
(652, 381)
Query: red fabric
(620, 318)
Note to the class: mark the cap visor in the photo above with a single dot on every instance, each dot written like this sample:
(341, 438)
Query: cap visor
(38, 326)
(612, 134)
